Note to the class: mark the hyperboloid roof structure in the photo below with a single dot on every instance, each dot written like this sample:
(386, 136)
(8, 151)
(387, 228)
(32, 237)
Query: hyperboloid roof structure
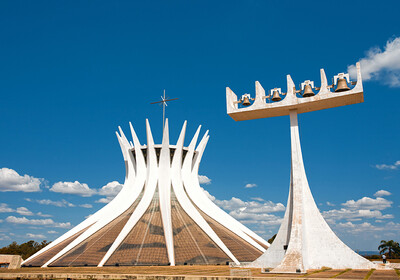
(160, 217)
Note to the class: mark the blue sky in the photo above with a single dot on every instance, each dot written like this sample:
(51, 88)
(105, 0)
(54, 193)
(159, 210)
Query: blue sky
(72, 71)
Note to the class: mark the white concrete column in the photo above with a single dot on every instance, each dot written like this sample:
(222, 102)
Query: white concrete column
(293, 259)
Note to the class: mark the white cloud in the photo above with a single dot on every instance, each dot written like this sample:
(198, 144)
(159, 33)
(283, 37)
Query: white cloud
(4, 237)
(203, 179)
(104, 200)
(60, 203)
(393, 166)
(20, 210)
(5, 209)
(378, 203)
(357, 228)
(24, 211)
(11, 181)
(111, 189)
(259, 219)
(52, 232)
(382, 193)
(31, 235)
(381, 65)
(258, 198)
(255, 213)
(77, 188)
(250, 206)
(329, 203)
(37, 222)
(57, 203)
(252, 212)
(250, 186)
(393, 226)
(353, 215)
(211, 197)
(40, 214)
(86, 205)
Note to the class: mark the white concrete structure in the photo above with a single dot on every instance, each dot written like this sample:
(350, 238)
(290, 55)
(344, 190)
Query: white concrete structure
(160, 217)
(10, 261)
(304, 241)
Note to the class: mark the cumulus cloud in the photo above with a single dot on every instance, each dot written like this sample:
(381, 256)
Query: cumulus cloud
(104, 200)
(382, 193)
(353, 215)
(366, 203)
(393, 166)
(356, 210)
(258, 198)
(31, 235)
(111, 189)
(211, 197)
(59, 203)
(52, 232)
(86, 205)
(329, 203)
(256, 207)
(11, 181)
(40, 214)
(5, 209)
(256, 212)
(24, 211)
(258, 219)
(357, 228)
(393, 226)
(4, 237)
(37, 222)
(250, 186)
(381, 65)
(20, 210)
(204, 180)
(73, 188)
(252, 212)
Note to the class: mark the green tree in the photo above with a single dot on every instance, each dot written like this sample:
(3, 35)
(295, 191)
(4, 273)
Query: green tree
(25, 250)
(390, 247)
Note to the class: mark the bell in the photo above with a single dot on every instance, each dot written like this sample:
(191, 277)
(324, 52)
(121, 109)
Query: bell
(246, 101)
(308, 91)
(276, 96)
(342, 85)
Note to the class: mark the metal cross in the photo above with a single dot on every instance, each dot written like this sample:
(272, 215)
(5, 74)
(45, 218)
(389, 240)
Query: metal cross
(164, 103)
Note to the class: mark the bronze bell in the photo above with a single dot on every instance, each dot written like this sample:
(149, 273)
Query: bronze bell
(246, 101)
(342, 85)
(276, 96)
(308, 92)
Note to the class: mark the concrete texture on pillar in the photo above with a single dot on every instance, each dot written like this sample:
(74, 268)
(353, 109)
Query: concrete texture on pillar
(304, 241)
(11, 261)
(309, 241)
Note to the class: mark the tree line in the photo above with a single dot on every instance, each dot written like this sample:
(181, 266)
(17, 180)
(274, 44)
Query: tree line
(25, 250)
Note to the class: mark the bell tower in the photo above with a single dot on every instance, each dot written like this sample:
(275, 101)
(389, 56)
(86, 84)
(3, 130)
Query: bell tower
(304, 240)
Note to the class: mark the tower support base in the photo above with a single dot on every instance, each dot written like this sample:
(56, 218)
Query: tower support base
(304, 240)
